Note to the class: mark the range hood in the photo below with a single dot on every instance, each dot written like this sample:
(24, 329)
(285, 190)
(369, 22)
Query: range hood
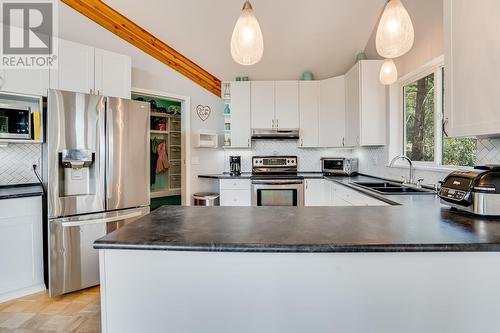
(275, 134)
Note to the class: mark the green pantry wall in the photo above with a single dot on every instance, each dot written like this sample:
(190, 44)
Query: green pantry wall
(165, 127)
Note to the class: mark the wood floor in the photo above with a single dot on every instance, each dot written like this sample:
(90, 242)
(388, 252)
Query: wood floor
(76, 312)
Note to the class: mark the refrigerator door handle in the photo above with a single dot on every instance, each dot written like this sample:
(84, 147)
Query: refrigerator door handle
(104, 220)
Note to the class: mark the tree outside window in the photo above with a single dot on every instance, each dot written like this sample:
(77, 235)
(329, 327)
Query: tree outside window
(424, 142)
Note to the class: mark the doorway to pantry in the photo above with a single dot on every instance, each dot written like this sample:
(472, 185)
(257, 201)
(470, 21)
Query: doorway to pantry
(168, 146)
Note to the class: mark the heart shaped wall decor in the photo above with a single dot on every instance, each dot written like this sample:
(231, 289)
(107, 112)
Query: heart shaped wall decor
(203, 112)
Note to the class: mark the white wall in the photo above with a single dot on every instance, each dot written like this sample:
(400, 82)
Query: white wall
(427, 18)
(148, 73)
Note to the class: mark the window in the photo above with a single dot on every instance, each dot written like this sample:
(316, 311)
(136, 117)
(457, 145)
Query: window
(425, 138)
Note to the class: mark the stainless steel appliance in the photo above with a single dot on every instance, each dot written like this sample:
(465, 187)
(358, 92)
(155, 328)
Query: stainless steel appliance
(96, 161)
(15, 120)
(476, 191)
(235, 165)
(275, 181)
(339, 166)
(275, 134)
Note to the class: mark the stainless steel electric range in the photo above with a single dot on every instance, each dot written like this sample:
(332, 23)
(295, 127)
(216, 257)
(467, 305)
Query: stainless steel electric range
(275, 181)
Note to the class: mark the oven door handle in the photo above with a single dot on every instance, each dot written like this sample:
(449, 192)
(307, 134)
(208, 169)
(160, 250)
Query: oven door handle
(277, 182)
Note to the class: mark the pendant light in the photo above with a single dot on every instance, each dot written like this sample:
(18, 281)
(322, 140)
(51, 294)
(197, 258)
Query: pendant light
(388, 72)
(247, 44)
(395, 34)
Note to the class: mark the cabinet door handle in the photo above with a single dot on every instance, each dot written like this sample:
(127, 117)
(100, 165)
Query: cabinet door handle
(302, 142)
(277, 123)
(248, 143)
(445, 122)
(343, 141)
(272, 123)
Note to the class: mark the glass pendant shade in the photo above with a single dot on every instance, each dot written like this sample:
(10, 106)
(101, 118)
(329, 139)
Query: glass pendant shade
(247, 44)
(395, 34)
(388, 72)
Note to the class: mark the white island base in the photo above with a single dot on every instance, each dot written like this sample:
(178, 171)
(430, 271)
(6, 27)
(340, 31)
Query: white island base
(202, 292)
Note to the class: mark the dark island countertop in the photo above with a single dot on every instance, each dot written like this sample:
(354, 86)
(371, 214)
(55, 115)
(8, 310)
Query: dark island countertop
(20, 191)
(418, 224)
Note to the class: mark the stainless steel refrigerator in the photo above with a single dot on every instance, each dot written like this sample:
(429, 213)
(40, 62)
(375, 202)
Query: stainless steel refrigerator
(97, 168)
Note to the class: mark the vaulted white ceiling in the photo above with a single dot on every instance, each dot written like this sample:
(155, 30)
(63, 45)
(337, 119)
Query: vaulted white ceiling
(323, 36)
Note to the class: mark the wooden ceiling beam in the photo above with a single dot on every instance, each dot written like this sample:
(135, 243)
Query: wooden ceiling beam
(124, 28)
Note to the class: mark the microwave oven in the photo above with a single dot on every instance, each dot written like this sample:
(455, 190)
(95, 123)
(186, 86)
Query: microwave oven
(339, 166)
(15, 121)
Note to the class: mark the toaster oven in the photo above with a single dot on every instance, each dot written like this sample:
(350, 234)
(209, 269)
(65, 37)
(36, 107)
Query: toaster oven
(339, 166)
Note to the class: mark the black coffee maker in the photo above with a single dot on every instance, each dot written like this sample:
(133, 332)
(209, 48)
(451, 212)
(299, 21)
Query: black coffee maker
(235, 165)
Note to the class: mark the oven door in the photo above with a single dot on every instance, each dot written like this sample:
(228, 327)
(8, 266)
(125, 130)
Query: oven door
(277, 193)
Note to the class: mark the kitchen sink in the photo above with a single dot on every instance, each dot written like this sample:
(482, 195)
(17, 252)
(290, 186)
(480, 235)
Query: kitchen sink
(379, 185)
(392, 188)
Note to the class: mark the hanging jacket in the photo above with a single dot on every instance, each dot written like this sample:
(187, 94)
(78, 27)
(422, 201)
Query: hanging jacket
(163, 164)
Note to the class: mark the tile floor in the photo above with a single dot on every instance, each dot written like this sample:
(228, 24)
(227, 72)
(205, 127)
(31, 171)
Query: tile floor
(76, 312)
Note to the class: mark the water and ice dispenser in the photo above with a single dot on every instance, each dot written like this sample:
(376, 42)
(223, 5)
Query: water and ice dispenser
(79, 171)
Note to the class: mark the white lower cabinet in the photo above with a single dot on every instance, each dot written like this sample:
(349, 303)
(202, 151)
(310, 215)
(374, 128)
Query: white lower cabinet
(317, 192)
(21, 247)
(322, 192)
(235, 192)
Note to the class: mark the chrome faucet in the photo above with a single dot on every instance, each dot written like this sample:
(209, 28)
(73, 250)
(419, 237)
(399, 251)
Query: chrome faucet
(402, 157)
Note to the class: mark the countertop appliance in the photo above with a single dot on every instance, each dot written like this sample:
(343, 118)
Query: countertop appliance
(15, 120)
(476, 191)
(96, 172)
(275, 181)
(275, 134)
(339, 166)
(235, 165)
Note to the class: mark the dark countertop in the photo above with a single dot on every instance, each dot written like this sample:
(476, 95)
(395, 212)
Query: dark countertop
(419, 224)
(225, 175)
(248, 175)
(20, 191)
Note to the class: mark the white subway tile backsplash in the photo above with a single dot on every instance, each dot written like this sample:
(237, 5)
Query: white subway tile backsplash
(16, 163)
(308, 158)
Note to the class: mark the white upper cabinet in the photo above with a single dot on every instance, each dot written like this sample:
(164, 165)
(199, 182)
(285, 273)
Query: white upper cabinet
(309, 100)
(240, 114)
(352, 106)
(75, 68)
(262, 104)
(287, 104)
(275, 104)
(85, 69)
(365, 105)
(25, 81)
(472, 65)
(113, 75)
(332, 122)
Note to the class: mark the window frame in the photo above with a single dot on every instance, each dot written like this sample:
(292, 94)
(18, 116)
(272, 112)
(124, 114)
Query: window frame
(397, 112)
(435, 70)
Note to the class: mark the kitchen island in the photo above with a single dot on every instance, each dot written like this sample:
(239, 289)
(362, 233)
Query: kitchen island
(414, 267)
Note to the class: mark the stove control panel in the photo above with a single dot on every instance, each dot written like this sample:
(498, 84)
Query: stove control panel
(274, 161)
